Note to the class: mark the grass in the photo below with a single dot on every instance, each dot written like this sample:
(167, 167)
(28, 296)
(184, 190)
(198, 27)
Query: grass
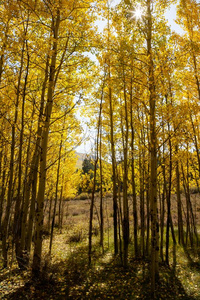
(106, 279)
(67, 275)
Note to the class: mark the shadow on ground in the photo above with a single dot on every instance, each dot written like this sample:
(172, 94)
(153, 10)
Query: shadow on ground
(107, 279)
(193, 257)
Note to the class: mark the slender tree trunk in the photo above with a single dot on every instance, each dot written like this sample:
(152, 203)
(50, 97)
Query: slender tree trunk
(112, 143)
(91, 212)
(162, 210)
(120, 221)
(10, 186)
(141, 171)
(148, 198)
(3, 190)
(3, 171)
(18, 206)
(61, 207)
(49, 215)
(2, 199)
(153, 153)
(188, 230)
(101, 193)
(26, 237)
(148, 217)
(113, 173)
(108, 224)
(169, 198)
(25, 200)
(125, 181)
(56, 197)
(135, 218)
(94, 182)
(43, 157)
(179, 206)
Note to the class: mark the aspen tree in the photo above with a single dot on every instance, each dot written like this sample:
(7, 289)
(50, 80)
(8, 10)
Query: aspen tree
(62, 50)
(31, 186)
(42, 180)
(56, 195)
(101, 192)
(179, 204)
(153, 154)
(135, 217)
(112, 137)
(142, 186)
(95, 173)
(61, 206)
(18, 205)
(125, 177)
(26, 183)
(13, 143)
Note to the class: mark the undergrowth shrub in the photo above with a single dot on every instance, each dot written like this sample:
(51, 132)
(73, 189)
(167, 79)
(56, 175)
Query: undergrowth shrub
(82, 196)
(48, 271)
(74, 214)
(76, 237)
(194, 190)
(76, 269)
(108, 195)
(95, 230)
(45, 233)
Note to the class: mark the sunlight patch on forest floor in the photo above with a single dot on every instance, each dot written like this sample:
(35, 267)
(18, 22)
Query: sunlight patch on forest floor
(12, 279)
(68, 274)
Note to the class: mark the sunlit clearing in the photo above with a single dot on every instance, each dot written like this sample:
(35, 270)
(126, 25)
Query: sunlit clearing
(138, 12)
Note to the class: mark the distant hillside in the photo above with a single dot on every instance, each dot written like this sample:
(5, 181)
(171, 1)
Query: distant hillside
(81, 157)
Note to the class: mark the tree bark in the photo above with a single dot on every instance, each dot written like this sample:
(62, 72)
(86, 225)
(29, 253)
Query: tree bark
(42, 177)
(10, 186)
(94, 180)
(135, 217)
(125, 179)
(153, 156)
(56, 197)
(112, 143)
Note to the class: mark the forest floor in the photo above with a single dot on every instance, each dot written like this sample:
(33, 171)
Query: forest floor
(67, 276)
